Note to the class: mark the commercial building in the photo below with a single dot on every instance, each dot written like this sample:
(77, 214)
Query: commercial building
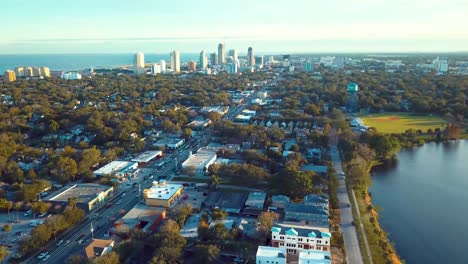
(163, 66)
(200, 161)
(175, 61)
(142, 217)
(233, 67)
(309, 214)
(255, 203)
(192, 65)
(98, 248)
(250, 57)
(308, 66)
(203, 60)
(296, 238)
(89, 195)
(221, 54)
(259, 61)
(37, 72)
(19, 71)
(146, 156)
(71, 76)
(139, 63)
(28, 72)
(233, 54)
(162, 194)
(9, 76)
(117, 168)
(155, 68)
(213, 59)
(273, 255)
(314, 257)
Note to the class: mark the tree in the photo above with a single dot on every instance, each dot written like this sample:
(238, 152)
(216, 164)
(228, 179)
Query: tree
(266, 220)
(111, 258)
(77, 259)
(3, 252)
(72, 201)
(67, 169)
(53, 126)
(218, 214)
(182, 213)
(7, 228)
(187, 133)
(206, 253)
(89, 158)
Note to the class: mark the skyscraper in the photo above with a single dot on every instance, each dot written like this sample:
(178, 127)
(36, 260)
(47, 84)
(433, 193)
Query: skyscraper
(45, 72)
(19, 71)
(221, 54)
(28, 72)
(250, 57)
(213, 59)
(175, 61)
(234, 54)
(9, 76)
(37, 72)
(259, 60)
(163, 66)
(139, 63)
(192, 65)
(203, 60)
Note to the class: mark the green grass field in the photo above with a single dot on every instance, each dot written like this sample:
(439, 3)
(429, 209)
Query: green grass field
(400, 122)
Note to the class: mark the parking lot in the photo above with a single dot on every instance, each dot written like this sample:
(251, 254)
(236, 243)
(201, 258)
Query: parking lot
(193, 197)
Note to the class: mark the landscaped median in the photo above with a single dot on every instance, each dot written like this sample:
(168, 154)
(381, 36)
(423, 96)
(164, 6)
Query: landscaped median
(381, 248)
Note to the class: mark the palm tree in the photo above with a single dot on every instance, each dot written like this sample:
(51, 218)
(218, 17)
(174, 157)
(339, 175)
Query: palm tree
(3, 253)
(72, 202)
(215, 180)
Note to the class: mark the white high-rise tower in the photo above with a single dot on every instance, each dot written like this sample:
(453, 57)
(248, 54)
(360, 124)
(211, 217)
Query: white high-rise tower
(175, 61)
(139, 63)
(203, 60)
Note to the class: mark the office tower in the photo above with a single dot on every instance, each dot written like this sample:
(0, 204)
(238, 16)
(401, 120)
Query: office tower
(28, 72)
(308, 66)
(250, 57)
(233, 67)
(192, 65)
(203, 60)
(155, 68)
(37, 72)
(221, 54)
(175, 61)
(9, 76)
(139, 63)
(213, 59)
(352, 102)
(259, 60)
(45, 72)
(19, 71)
(234, 54)
(163, 66)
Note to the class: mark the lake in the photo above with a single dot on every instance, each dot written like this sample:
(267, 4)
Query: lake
(423, 198)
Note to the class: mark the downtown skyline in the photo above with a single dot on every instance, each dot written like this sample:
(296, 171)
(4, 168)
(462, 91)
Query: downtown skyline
(297, 26)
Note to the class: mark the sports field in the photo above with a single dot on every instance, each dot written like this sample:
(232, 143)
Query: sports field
(400, 122)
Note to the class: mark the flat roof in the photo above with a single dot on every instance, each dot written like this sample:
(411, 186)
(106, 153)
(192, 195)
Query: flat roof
(315, 256)
(190, 228)
(115, 167)
(147, 156)
(162, 191)
(256, 199)
(271, 252)
(141, 213)
(200, 159)
(315, 168)
(84, 192)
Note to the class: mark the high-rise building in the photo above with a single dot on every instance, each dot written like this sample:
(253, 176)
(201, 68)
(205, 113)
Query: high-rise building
(213, 59)
(155, 68)
(233, 67)
(19, 71)
(250, 57)
(37, 72)
(234, 54)
(28, 72)
(45, 72)
(203, 60)
(221, 54)
(175, 61)
(259, 60)
(9, 76)
(352, 102)
(192, 65)
(139, 63)
(308, 66)
(163, 66)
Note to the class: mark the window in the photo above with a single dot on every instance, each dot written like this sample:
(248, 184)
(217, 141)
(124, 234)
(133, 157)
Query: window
(274, 237)
(318, 248)
(281, 237)
(300, 246)
(326, 242)
(299, 239)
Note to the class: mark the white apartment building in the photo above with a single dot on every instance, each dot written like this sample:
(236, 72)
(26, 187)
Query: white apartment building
(270, 255)
(296, 238)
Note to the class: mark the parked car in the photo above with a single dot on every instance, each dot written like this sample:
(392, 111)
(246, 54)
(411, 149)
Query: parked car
(28, 213)
(60, 243)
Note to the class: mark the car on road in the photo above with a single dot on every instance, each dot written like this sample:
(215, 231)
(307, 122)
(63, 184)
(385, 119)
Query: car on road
(119, 202)
(42, 255)
(123, 194)
(67, 242)
(42, 215)
(28, 213)
(59, 243)
(46, 258)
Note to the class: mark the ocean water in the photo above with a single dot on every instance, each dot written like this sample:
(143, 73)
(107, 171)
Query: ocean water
(70, 62)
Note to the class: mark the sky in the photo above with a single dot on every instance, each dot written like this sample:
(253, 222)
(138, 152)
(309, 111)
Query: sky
(270, 26)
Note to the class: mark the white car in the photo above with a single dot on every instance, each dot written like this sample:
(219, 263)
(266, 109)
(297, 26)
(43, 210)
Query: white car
(42, 255)
(46, 258)
(60, 243)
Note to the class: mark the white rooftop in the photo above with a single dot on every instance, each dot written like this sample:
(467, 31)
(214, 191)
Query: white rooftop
(114, 167)
(200, 159)
(314, 257)
(271, 252)
(147, 156)
(162, 190)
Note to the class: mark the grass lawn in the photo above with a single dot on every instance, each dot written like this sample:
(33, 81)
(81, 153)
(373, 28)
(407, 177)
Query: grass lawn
(400, 122)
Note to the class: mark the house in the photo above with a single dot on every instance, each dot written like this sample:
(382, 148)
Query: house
(314, 257)
(248, 228)
(255, 203)
(273, 255)
(279, 201)
(309, 214)
(98, 248)
(295, 238)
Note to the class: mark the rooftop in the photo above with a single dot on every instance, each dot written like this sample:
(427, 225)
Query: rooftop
(97, 246)
(272, 252)
(307, 209)
(115, 167)
(161, 190)
(255, 199)
(147, 156)
(352, 87)
(200, 159)
(314, 257)
(142, 216)
(84, 192)
(301, 230)
(315, 168)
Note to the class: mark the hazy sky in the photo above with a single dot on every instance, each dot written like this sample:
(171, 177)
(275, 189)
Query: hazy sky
(159, 26)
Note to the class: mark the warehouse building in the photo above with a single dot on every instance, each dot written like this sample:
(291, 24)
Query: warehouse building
(89, 195)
